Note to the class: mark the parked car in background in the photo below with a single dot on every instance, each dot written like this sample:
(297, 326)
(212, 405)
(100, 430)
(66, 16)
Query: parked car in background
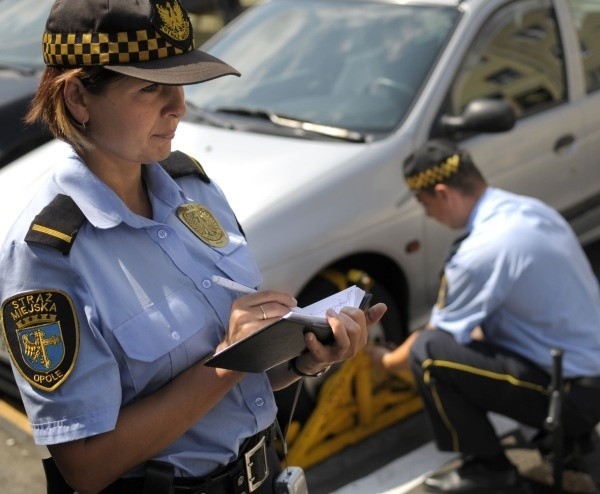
(334, 95)
(22, 25)
(309, 142)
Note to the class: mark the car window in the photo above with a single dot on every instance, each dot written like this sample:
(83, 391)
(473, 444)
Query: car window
(358, 67)
(586, 15)
(23, 23)
(516, 56)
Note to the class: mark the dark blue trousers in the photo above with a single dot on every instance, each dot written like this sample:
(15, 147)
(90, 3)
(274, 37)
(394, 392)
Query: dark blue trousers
(460, 384)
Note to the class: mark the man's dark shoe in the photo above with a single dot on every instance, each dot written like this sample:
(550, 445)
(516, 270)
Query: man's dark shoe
(473, 477)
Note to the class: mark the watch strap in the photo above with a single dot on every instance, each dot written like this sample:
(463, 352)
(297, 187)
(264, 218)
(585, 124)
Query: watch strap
(294, 368)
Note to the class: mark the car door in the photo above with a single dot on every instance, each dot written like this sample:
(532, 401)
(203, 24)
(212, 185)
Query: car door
(520, 54)
(584, 17)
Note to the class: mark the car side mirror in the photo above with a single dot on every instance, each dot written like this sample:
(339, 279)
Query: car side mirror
(481, 115)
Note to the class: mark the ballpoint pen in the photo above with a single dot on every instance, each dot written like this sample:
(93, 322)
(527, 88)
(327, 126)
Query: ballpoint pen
(232, 285)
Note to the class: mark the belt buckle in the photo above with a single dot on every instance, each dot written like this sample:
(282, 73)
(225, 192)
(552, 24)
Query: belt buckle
(257, 468)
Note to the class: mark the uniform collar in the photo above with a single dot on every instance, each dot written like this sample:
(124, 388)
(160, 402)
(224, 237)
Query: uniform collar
(102, 207)
(479, 209)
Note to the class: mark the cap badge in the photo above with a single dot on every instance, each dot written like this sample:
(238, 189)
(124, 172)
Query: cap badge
(173, 22)
(203, 224)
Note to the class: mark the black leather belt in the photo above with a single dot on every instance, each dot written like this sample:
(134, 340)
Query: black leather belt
(246, 474)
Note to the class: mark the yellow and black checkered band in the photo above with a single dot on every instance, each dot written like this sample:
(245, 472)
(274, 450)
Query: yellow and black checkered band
(434, 175)
(73, 50)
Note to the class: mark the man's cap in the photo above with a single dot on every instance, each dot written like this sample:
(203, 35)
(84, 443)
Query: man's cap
(431, 164)
(152, 40)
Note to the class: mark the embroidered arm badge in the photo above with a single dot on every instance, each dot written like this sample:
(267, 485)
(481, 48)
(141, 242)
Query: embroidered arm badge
(42, 335)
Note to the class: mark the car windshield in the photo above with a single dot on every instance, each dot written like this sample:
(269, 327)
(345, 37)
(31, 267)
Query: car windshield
(22, 24)
(350, 65)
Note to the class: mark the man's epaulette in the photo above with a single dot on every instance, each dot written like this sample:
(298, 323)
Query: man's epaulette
(57, 224)
(179, 164)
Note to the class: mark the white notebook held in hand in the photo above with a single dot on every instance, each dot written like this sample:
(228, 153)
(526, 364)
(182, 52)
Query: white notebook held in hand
(283, 339)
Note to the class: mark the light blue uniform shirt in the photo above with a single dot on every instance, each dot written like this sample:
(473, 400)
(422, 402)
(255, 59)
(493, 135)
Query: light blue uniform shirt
(522, 275)
(146, 311)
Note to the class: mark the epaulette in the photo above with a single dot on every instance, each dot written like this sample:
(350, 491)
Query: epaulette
(57, 224)
(179, 164)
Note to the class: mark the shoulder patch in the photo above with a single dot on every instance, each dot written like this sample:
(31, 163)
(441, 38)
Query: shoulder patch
(179, 164)
(42, 335)
(57, 224)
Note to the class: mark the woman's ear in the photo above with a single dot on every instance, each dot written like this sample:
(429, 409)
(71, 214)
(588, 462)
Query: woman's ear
(74, 94)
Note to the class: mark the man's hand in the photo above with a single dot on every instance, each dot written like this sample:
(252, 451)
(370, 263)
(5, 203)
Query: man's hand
(392, 360)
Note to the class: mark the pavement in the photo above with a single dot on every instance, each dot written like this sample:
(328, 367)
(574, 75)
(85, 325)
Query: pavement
(406, 472)
(21, 469)
(395, 461)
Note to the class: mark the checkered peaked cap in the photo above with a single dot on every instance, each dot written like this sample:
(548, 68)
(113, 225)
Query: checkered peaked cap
(152, 40)
(432, 164)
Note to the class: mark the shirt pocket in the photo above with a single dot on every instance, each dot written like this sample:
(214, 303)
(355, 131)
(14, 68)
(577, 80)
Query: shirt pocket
(156, 343)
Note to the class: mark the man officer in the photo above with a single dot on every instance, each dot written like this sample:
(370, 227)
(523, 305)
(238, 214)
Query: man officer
(516, 285)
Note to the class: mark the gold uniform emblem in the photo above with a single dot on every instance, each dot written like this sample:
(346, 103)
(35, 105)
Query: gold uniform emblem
(203, 224)
(175, 23)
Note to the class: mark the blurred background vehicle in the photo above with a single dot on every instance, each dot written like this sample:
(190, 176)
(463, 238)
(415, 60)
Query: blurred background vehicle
(309, 143)
(21, 63)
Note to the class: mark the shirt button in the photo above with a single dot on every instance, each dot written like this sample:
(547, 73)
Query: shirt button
(259, 402)
(175, 335)
(162, 234)
(206, 284)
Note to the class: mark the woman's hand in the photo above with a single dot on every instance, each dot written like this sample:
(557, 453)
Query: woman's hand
(350, 331)
(252, 312)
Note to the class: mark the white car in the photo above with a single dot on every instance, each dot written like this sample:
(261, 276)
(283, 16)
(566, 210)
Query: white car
(20, 66)
(309, 143)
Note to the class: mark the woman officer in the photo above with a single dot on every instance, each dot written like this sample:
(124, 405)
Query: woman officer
(107, 300)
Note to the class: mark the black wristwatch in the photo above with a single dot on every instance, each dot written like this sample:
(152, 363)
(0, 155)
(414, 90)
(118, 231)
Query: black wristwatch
(294, 368)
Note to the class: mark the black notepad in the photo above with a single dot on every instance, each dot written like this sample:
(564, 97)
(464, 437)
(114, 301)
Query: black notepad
(277, 342)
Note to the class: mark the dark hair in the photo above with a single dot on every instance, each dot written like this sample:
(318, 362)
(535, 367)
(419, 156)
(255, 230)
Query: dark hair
(48, 105)
(442, 161)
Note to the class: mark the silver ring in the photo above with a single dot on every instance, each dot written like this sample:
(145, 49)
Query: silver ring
(263, 311)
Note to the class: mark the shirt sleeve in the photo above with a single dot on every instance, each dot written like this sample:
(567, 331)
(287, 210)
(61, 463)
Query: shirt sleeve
(50, 322)
(477, 280)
